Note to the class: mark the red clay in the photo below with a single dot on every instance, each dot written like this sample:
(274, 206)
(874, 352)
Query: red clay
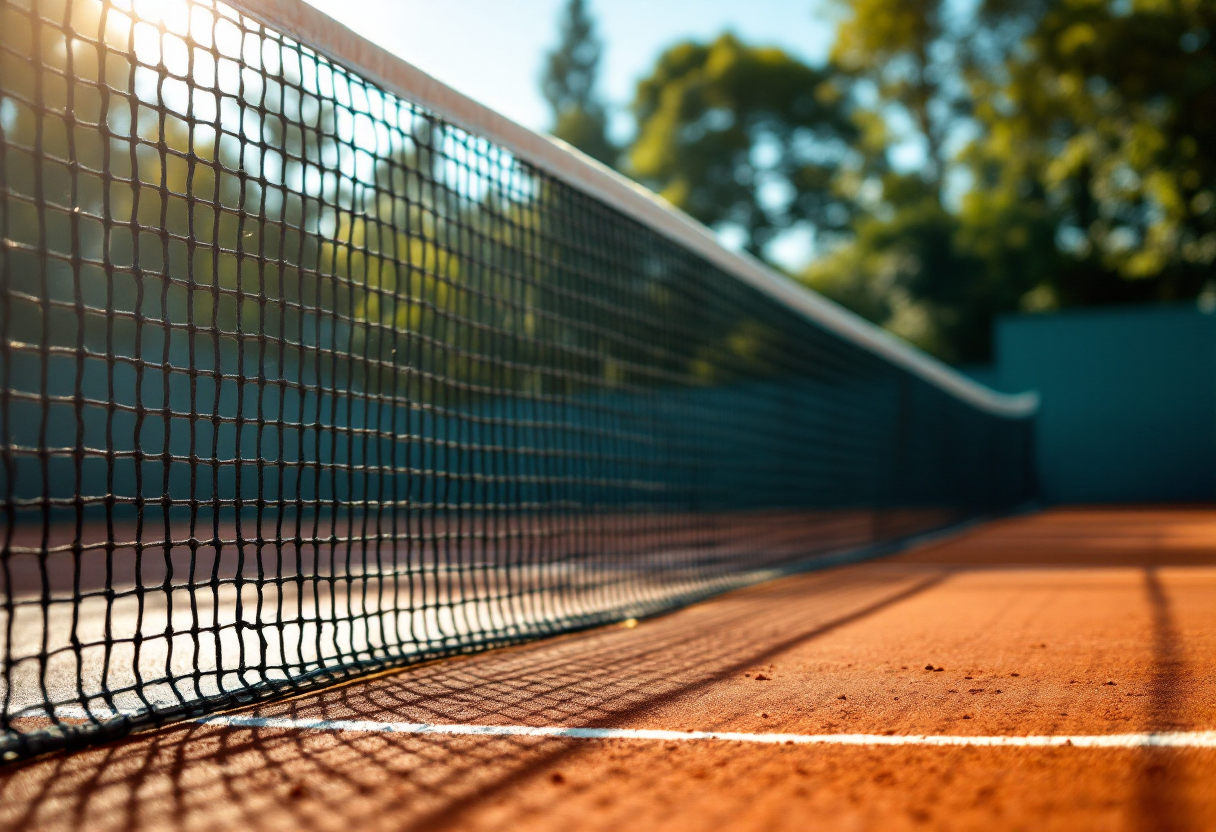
(1030, 619)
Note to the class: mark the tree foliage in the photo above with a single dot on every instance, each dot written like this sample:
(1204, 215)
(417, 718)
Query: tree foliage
(745, 137)
(1107, 117)
(1069, 156)
(957, 162)
(569, 85)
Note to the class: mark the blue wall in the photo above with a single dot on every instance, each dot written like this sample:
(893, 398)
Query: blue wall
(1128, 401)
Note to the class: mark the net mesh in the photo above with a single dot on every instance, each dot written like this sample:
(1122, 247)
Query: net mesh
(301, 380)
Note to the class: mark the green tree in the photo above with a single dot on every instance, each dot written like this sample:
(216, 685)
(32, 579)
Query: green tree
(569, 83)
(904, 52)
(1069, 154)
(912, 264)
(1106, 117)
(745, 137)
(932, 276)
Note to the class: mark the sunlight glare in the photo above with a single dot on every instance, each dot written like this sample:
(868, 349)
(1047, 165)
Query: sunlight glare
(174, 14)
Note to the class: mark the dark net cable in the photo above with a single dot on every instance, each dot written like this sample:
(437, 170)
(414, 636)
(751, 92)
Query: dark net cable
(300, 381)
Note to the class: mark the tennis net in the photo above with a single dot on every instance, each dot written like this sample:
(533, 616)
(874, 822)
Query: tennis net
(311, 366)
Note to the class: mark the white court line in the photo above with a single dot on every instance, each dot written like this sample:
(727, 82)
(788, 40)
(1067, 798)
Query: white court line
(1165, 739)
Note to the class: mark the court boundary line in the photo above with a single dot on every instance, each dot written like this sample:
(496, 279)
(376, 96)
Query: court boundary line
(1149, 739)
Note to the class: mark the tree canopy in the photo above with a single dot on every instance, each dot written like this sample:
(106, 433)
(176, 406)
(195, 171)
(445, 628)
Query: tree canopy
(1106, 116)
(955, 163)
(569, 85)
(744, 137)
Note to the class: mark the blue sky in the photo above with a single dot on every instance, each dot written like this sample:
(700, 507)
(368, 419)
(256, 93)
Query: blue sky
(492, 50)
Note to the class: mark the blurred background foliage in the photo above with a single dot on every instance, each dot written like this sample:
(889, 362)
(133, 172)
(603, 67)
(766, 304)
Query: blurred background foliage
(950, 161)
(182, 193)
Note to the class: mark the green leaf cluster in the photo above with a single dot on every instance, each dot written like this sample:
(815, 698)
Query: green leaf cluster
(568, 84)
(953, 163)
(745, 137)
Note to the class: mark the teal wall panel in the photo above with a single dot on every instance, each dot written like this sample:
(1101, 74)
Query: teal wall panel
(1128, 401)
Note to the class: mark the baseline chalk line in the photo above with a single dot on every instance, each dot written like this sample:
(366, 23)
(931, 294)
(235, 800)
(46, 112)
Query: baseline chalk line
(1163, 739)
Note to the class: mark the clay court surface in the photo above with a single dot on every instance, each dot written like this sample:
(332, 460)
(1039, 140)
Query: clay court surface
(1064, 624)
